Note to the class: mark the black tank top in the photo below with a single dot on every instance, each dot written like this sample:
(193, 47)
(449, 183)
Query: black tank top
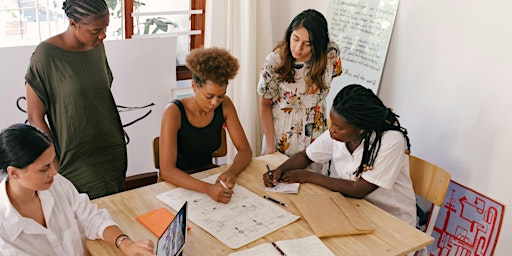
(196, 145)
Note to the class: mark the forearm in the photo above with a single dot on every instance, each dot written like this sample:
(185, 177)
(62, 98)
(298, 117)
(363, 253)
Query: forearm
(114, 235)
(111, 233)
(267, 122)
(298, 160)
(40, 123)
(180, 178)
(355, 189)
(241, 161)
(36, 111)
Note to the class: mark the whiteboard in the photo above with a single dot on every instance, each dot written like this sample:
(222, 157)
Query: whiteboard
(362, 29)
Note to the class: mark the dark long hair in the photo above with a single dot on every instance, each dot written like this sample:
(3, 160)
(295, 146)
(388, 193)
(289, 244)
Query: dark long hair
(21, 145)
(364, 110)
(316, 25)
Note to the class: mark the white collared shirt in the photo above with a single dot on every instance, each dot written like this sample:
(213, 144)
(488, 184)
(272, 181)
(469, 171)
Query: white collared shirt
(69, 216)
(390, 171)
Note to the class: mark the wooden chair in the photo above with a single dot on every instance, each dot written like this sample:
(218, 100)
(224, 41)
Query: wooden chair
(222, 151)
(140, 180)
(430, 182)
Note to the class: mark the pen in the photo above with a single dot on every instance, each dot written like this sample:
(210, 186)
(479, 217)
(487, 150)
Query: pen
(275, 201)
(224, 185)
(270, 173)
(279, 249)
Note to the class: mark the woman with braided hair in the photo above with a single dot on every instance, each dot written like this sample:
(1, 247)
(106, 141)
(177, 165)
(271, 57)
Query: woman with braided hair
(368, 153)
(68, 81)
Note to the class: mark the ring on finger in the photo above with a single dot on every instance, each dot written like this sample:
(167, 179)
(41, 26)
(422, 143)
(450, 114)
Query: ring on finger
(226, 191)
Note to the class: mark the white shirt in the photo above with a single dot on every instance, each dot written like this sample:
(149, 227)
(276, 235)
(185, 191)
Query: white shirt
(68, 215)
(390, 171)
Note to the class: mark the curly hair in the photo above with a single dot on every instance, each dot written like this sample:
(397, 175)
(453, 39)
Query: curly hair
(214, 64)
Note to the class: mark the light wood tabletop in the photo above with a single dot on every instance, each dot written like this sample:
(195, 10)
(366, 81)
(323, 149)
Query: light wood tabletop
(391, 236)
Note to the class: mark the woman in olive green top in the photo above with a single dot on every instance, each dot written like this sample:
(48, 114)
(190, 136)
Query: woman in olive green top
(68, 81)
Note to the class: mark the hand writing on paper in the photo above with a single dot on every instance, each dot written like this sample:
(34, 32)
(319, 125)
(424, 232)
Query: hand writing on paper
(219, 193)
(227, 178)
(269, 182)
(296, 176)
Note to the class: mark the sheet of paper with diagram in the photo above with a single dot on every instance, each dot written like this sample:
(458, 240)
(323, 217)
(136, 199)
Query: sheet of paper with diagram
(247, 217)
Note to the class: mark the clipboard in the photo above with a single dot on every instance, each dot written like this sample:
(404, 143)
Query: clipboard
(331, 215)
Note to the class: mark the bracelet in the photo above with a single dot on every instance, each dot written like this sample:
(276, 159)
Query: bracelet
(120, 239)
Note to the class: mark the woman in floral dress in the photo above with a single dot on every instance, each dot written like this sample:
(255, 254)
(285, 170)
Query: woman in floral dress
(294, 84)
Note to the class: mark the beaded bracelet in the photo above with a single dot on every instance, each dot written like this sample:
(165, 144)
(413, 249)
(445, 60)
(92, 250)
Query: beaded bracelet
(120, 239)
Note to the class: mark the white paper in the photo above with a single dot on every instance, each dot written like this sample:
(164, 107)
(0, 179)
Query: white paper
(247, 217)
(266, 249)
(306, 246)
(289, 188)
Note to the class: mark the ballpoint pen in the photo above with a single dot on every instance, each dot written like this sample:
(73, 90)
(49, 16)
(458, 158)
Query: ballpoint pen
(224, 185)
(279, 249)
(270, 173)
(275, 201)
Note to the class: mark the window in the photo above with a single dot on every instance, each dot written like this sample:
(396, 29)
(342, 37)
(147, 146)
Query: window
(185, 18)
(28, 22)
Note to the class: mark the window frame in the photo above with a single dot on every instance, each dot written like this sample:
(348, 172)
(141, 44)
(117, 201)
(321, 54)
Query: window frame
(197, 22)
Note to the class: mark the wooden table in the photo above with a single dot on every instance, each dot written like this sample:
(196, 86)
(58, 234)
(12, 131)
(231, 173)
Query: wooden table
(391, 236)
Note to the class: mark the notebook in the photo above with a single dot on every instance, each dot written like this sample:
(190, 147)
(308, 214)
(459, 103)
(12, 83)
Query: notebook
(305, 246)
(172, 241)
(156, 220)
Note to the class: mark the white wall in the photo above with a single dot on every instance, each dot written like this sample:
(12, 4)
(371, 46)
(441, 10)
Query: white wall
(140, 78)
(448, 76)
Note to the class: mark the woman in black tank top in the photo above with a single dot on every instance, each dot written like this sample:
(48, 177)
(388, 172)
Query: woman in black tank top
(191, 127)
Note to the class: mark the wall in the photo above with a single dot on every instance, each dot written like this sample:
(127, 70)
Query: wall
(448, 76)
(141, 78)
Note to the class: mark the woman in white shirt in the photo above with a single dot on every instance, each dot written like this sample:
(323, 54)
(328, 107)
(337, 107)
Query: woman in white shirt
(41, 212)
(368, 154)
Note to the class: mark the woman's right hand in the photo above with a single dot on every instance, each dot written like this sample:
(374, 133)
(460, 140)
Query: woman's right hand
(276, 174)
(220, 194)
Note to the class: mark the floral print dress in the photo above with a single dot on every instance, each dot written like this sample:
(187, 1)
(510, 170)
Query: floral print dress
(299, 117)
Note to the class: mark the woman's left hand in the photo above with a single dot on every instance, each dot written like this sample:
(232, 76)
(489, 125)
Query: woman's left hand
(296, 176)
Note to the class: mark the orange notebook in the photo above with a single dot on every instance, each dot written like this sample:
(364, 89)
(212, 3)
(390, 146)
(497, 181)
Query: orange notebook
(156, 220)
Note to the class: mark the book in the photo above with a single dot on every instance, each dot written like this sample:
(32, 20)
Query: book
(306, 246)
(157, 220)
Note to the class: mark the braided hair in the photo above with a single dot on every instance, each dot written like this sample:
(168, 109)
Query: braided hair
(80, 9)
(21, 145)
(364, 110)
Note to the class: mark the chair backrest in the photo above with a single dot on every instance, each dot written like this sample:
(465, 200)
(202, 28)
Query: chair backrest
(156, 152)
(222, 151)
(428, 180)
